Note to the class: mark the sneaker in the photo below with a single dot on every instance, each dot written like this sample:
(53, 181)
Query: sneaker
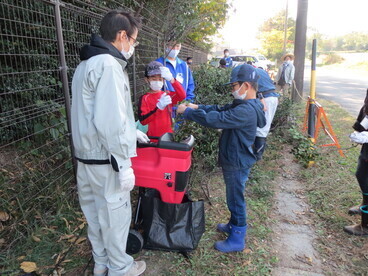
(100, 270)
(137, 268)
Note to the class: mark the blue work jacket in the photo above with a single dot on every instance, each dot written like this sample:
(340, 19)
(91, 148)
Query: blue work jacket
(183, 74)
(239, 122)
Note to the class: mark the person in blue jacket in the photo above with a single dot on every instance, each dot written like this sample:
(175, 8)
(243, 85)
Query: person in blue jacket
(229, 60)
(266, 91)
(179, 69)
(238, 121)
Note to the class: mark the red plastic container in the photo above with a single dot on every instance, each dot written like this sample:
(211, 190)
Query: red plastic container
(164, 166)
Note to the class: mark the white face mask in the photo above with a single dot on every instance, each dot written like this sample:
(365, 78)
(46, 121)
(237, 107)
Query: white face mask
(237, 96)
(156, 85)
(226, 54)
(172, 53)
(128, 54)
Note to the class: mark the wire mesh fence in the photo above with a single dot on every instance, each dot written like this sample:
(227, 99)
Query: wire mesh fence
(37, 187)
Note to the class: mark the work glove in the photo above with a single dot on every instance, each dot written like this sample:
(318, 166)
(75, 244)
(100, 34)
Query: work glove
(166, 74)
(142, 137)
(127, 180)
(163, 101)
(359, 137)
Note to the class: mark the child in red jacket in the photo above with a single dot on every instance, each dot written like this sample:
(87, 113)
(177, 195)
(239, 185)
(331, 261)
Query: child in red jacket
(154, 107)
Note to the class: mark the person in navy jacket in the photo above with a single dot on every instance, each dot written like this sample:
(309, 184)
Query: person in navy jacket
(238, 121)
(179, 69)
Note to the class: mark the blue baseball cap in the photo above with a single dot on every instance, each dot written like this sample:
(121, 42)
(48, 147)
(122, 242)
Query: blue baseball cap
(243, 73)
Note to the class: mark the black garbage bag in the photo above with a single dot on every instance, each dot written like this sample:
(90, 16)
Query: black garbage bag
(172, 227)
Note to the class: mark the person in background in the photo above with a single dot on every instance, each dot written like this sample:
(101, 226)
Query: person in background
(189, 61)
(179, 69)
(251, 63)
(222, 63)
(238, 121)
(285, 75)
(104, 139)
(228, 59)
(266, 91)
(360, 136)
(154, 107)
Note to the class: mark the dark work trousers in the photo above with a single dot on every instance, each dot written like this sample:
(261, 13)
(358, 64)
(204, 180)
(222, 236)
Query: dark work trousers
(362, 174)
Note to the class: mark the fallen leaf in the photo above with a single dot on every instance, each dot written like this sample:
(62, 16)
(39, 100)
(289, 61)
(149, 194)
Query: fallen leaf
(21, 258)
(72, 239)
(246, 263)
(82, 226)
(28, 267)
(36, 239)
(4, 216)
(247, 251)
(66, 222)
(80, 240)
(2, 241)
(66, 237)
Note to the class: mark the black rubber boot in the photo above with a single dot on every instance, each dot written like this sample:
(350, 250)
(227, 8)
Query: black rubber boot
(356, 209)
(362, 228)
(259, 147)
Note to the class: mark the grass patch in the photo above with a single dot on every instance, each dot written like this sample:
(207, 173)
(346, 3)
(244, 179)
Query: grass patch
(255, 260)
(332, 189)
(363, 66)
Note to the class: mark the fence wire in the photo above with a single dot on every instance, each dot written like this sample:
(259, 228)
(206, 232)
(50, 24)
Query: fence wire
(37, 189)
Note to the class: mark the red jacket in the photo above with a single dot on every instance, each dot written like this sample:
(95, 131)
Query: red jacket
(159, 121)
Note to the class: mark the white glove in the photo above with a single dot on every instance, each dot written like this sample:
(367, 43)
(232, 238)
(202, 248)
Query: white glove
(359, 137)
(127, 180)
(142, 137)
(163, 101)
(166, 74)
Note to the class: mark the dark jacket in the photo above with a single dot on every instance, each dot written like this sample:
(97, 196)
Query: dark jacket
(239, 122)
(98, 46)
(357, 126)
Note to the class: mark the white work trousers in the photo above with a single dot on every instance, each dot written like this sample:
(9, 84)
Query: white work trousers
(271, 105)
(108, 212)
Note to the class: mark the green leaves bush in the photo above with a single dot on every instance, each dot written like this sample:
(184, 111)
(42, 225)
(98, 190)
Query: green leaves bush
(209, 90)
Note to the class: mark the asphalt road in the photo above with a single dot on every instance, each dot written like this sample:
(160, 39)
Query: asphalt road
(346, 87)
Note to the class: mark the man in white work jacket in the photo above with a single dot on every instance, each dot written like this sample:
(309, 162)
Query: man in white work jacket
(104, 138)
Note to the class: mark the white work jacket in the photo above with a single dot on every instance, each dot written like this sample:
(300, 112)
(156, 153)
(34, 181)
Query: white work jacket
(102, 119)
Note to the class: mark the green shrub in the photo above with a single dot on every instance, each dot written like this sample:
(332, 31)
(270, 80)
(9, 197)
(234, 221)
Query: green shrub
(209, 90)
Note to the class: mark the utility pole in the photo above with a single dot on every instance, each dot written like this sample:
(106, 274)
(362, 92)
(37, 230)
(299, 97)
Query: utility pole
(299, 49)
(285, 27)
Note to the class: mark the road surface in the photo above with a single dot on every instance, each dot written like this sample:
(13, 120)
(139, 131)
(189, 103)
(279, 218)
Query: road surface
(347, 87)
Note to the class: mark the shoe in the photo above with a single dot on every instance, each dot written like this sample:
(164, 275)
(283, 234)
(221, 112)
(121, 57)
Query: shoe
(137, 268)
(356, 209)
(235, 242)
(223, 227)
(362, 228)
(100, 270)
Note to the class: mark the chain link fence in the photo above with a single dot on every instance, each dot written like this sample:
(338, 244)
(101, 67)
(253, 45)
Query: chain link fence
(39, 50)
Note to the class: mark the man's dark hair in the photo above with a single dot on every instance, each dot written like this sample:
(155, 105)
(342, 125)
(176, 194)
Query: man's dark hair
(116, 21)
(188, 58)
(253, 84)
(226, 50)
(222, 61)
